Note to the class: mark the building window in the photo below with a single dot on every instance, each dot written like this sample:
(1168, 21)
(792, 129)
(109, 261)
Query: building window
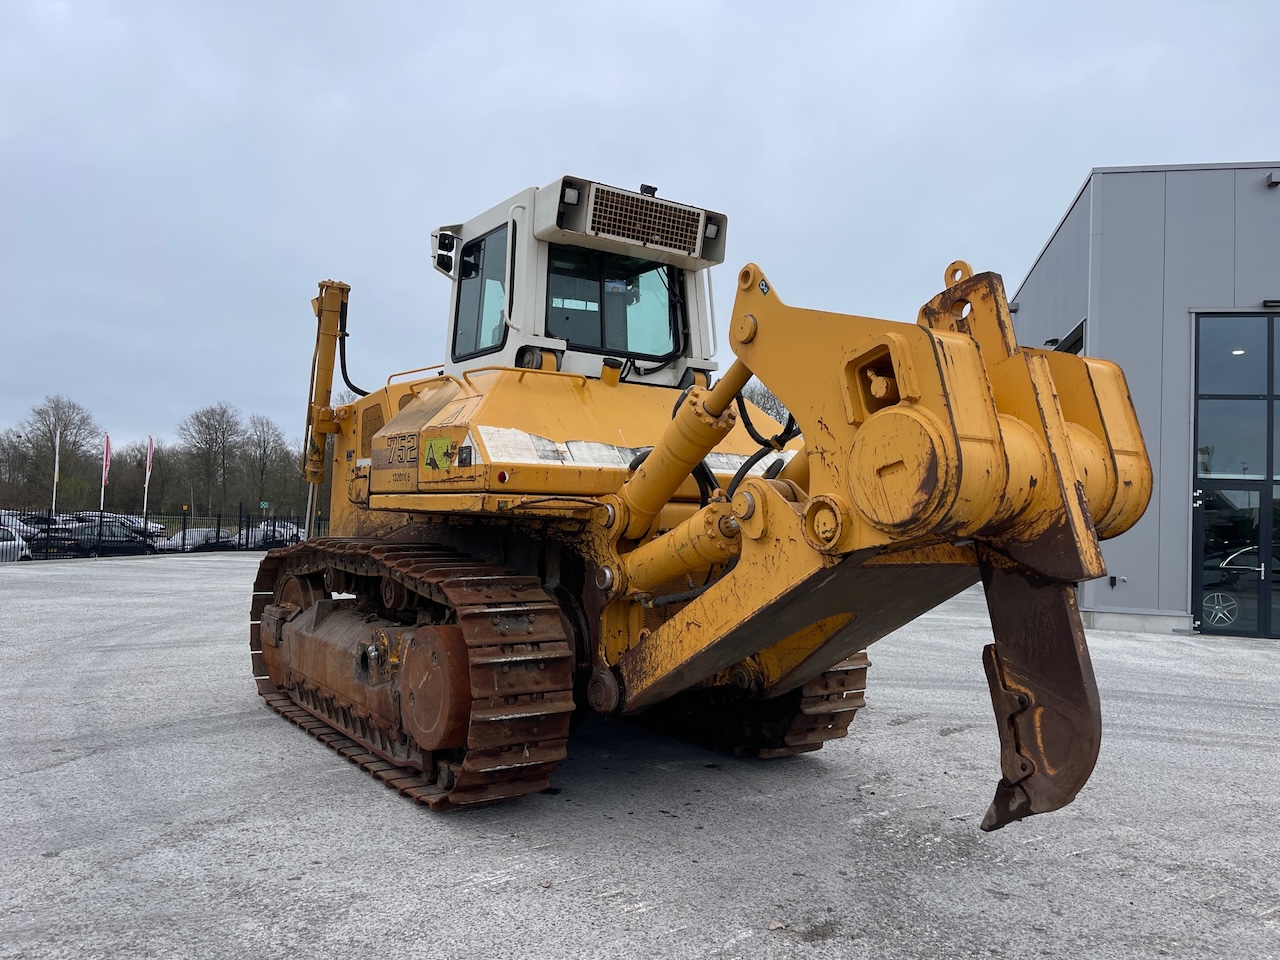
(1233, 355)
(1233, 389)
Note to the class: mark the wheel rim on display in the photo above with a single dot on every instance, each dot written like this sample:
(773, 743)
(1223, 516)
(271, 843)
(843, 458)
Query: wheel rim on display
(1220, 609)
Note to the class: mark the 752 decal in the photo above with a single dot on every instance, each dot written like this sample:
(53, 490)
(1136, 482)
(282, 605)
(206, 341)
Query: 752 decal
(402, 448)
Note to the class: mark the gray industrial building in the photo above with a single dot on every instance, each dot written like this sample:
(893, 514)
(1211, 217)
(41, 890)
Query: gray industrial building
(1174, 273)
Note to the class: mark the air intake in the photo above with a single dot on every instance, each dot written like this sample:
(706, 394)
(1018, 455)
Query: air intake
(654, 223)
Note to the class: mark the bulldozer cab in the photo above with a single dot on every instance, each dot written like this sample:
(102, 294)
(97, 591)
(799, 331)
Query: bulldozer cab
(578, 277)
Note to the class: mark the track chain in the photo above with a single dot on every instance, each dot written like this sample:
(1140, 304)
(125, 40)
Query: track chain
(520, 661)
(828, 704)
(798, 721)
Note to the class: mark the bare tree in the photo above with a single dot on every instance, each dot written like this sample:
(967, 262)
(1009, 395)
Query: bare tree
(263, 454)
(129, 476)
(63, 424)
(212, 437)
(763, 397)
(164, 476)
(14, 461)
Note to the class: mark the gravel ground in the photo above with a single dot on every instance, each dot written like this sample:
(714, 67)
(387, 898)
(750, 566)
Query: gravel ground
(152, 806)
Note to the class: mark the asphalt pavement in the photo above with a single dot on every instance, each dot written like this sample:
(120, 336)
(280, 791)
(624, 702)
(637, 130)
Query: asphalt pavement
(152, 806)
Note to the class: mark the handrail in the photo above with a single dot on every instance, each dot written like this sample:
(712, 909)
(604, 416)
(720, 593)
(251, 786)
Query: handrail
(413, 385)
(510, 271)
(711, 302)
(523, 371)
(434, 366)
(564, 502)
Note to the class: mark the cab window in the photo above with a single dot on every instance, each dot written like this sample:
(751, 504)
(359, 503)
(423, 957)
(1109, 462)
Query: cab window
(481, 321)
(608, 303)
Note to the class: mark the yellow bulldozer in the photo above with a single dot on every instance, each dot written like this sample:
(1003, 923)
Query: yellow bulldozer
(575, 514)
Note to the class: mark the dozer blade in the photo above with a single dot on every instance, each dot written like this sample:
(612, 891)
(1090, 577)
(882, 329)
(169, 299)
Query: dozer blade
(1043, 691)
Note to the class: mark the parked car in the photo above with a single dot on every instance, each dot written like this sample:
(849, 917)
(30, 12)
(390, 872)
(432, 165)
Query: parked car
(13, 520)
(135, 523)
(198, 538)
(90, 540)
(270, 534)
(109, 539)
(12, 546)
(45, 521)
(149, 527)
(53, 543)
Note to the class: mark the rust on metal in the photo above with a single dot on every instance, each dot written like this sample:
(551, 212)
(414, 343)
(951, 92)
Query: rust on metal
(489, 690)
(1043, 691)
(799, 721)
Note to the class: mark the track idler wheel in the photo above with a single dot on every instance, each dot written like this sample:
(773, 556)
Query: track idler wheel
(301, 591)
(435, 688)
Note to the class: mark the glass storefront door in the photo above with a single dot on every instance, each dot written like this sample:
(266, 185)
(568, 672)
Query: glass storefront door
(1230, 533)
(1236, 506)
(1271, 583)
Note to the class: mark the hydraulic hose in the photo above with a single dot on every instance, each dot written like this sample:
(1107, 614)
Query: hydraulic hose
(342, 353)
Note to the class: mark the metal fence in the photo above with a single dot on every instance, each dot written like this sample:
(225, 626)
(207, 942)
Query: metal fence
(35, 535)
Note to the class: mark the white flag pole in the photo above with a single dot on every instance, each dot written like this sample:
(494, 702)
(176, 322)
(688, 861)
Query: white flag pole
(57, 449)
(146, 484)
(106, 467)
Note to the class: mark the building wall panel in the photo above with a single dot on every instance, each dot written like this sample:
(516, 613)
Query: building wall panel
(1199, 273)
(1257, 238)
(1126, 320)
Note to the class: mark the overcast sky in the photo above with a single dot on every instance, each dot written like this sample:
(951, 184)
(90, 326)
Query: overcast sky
(176, 177)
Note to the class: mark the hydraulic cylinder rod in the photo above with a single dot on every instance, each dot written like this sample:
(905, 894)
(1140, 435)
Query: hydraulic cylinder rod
(700, 422)
(328, 307)
(709, 537)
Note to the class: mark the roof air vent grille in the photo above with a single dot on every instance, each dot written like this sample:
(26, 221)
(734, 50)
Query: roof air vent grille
(652, 222)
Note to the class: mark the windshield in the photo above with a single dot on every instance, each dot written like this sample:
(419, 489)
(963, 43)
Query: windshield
(608, 303)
